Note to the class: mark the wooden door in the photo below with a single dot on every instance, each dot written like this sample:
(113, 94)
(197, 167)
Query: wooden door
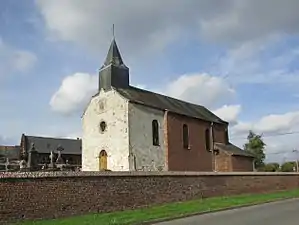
(103, 160)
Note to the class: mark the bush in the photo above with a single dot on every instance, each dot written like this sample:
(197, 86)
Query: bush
(288, 167)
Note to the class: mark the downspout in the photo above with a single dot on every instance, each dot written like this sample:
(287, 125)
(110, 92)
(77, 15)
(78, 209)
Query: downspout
(166, 164)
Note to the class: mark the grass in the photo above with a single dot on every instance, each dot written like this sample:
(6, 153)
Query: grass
(171, 210)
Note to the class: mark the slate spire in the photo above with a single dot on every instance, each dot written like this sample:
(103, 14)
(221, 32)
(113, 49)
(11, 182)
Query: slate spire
(113, 57)
(114, 73)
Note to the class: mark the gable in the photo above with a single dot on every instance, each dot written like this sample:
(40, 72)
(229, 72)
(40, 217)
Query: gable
(103, 97)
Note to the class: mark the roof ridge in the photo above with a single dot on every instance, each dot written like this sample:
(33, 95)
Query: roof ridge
(167, 96)
(175, 99)
(58, 138)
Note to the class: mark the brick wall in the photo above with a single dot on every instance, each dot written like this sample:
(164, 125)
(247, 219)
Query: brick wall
(223, 162)
(242, 163)
(232, 163)
(59, 194)
(219, 133)
(196, 158)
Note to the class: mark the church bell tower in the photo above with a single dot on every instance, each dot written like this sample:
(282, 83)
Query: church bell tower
(113, 73)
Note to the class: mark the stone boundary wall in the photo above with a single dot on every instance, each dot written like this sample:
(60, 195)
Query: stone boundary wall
(46, 195)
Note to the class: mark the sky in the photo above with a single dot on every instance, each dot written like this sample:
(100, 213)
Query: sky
(239, 58)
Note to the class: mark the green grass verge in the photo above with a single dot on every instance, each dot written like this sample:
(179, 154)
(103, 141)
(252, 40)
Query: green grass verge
(170, 210)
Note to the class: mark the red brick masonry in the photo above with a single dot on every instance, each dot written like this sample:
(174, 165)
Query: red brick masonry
(58, 194)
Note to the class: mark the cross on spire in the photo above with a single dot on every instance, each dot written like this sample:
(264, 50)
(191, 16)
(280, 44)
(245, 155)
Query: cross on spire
(113, 73)
(113, 32)
(113, 56)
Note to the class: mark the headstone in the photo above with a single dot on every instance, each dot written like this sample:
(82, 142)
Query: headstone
(22, 165)
(45, 166)
(59, 159)
(52, 160)
(7, 165)
(33, 158)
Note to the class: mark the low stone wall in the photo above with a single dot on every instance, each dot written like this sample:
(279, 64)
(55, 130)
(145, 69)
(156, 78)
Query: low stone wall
(45, 195)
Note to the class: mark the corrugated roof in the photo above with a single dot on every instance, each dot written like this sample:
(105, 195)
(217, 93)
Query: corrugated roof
(232, 149)
(151, 99)
(47, 144)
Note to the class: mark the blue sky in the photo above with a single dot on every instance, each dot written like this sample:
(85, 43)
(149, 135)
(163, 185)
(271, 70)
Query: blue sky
(238, 58)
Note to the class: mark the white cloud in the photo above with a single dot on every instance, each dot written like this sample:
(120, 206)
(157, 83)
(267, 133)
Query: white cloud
(273, 123)
(74, 93)
(203, 89)
(229, 113)
(280, 133)
(77, 89)
(15, 60)
(157, 23)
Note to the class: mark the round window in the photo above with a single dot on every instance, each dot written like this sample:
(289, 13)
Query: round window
(103, 126)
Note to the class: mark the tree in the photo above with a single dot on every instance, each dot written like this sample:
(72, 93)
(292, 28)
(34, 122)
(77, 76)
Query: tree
(288, 167)
(256, 146)
(271, 167)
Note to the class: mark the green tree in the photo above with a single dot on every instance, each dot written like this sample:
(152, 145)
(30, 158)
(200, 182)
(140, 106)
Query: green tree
(271, 167)
(288, 167)
(256, 146)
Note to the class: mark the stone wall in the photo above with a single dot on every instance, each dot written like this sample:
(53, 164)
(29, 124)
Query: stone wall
(111, 108)
(148, 157)
(59, 194)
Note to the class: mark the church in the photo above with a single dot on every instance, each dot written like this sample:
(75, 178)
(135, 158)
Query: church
(126, 128)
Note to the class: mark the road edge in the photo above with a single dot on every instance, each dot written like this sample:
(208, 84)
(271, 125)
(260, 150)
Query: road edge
(152, 222)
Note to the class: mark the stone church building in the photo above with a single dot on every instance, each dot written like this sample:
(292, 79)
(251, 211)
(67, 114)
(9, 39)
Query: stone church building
(126, 128)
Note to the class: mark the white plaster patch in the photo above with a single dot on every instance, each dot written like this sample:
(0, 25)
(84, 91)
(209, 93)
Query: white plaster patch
(148, 156)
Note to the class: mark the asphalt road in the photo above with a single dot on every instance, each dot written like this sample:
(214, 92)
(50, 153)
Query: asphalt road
(282, 212)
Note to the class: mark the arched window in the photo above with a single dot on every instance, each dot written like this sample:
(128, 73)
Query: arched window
(208, 140)
(185, 136)
(155, 130)
(103, 126)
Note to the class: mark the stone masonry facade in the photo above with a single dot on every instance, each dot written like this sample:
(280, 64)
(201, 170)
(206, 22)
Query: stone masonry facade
(111, 108)
(59, 194)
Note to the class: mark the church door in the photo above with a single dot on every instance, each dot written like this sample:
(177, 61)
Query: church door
(103, 160)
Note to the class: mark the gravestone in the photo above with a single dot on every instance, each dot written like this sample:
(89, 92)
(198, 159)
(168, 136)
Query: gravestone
(59, 161)
(52, 160)
(23, 165)
(32, 163)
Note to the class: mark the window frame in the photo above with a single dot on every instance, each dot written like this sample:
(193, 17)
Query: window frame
(155, 133)
(186, 136)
